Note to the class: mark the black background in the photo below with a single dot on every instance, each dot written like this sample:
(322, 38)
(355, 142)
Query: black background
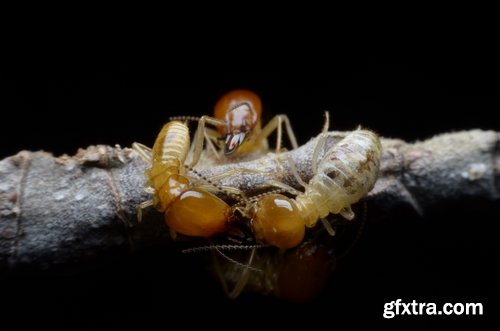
(72, 105)
(448, 256)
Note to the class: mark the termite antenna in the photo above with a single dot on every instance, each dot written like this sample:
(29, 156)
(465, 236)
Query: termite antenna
(207, 248)
(256, 197)
(242, 279)
(184, 118)
(230, 191)
(241, 265)
(220, 248)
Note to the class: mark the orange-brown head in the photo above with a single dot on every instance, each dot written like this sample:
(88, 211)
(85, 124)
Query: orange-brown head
(241, 110)
(276, 221)
(198, 213)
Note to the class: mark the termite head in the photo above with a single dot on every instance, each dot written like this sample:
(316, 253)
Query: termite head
(240, 110)
(240, 122)
(198, 213)
(276, 220)
(193, 211)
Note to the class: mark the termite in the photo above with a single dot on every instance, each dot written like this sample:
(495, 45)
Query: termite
(237, 119)
(188, 209)
(298, 274)
(345, 174)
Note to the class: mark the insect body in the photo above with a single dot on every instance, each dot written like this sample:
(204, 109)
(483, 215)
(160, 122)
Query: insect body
(167, 171)
(297, 274)
(237, 118)
(345, 174)
(187, 209)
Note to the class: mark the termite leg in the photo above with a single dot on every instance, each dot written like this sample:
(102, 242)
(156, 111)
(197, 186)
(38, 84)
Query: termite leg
(143, 205)
(275, 124)
(200, 135)
(347, 213)
(328, 227)
(295, 172)
(242, 281)
(210, 185)
(283, 186)
(226, 189)
(210, 136)
(326, 125)
(144, 152)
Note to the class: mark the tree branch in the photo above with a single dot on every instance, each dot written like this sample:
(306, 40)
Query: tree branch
(57, 210)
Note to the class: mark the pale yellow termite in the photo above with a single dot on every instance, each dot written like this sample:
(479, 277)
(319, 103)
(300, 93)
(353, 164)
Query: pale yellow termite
(345, 174)
(166, 158)
(188, 208)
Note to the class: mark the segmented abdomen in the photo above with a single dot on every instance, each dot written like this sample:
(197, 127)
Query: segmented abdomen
(169, 153)
(346, 174)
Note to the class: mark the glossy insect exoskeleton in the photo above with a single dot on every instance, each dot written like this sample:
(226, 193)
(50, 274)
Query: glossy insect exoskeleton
(345, 174)
(237, 119)
(297, 274)
(187, 209)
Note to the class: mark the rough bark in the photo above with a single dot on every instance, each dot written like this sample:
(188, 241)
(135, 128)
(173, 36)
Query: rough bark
(57, 210)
